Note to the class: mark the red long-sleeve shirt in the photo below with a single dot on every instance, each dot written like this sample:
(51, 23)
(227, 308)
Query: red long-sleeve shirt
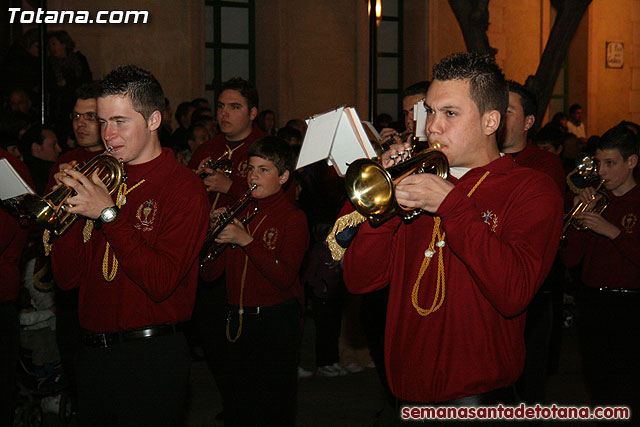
(13, 237)
(214, 149)
(156, 239)
(499, 245)
(543, 161)
(280, 239)
(611, 263)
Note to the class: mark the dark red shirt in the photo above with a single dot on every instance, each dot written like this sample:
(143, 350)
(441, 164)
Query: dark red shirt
(156, 239)
(541, 160)
(214, 149)
(605, 262)
(280, 239)
(13, 238)
(496, 254)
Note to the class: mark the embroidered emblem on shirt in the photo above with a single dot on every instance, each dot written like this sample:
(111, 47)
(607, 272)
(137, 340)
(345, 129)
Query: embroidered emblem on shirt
(490, 218)
(146, 214)
(270, 237)
(242, 168)
(628, 222)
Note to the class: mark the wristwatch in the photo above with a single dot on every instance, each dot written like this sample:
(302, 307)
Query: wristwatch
(109, 214)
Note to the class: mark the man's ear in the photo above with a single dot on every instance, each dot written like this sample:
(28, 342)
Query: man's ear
(284, 177)
(529, 121)
(490, 122)
(35, 147)
(632, 161)
(253, 113)
(155, 119)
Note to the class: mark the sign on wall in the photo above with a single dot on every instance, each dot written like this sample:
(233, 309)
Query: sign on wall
(615, 55)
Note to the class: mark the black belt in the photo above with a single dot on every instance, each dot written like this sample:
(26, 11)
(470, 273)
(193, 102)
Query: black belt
(94, 339)
(594, 290)
(254, 311)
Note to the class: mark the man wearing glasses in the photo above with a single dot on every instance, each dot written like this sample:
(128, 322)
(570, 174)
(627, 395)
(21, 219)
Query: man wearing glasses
(86, 129)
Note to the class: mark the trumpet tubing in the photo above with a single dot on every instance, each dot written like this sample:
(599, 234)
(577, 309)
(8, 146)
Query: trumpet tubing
(371, 188)
(599, 206)
(49, 209)
(223, 162)
(211, 249)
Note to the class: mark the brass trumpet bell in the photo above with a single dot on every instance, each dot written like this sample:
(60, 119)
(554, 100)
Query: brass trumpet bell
(48, 210)
(371, 188)
(587, 168)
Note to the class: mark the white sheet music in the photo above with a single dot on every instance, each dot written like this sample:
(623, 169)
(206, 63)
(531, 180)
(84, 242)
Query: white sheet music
(337, 137)
(11, 183)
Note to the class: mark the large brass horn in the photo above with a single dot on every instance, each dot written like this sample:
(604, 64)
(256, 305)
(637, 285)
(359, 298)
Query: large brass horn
(211, 249)
(48, 210)
(371, 188)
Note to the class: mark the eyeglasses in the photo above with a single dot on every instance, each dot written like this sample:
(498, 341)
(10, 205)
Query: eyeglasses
(89, 117)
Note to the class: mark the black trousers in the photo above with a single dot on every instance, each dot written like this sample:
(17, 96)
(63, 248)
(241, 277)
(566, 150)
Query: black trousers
(327, 314)
(209, 316)
(9, 350)
(138, 383)
(67, 331)
(264, 363)
(537, 335)
(609, 326)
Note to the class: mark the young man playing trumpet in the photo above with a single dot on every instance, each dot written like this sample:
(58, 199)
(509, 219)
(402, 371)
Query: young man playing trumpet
(134, 258)
(263, 321)
(608, 307)
(460, 277)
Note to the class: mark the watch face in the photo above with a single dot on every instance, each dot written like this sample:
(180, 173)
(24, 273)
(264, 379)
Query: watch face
(108, 214)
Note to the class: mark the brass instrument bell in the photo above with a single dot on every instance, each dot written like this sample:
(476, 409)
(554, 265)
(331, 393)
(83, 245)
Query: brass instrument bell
(49, 209)
(371, 188)
(588, 169)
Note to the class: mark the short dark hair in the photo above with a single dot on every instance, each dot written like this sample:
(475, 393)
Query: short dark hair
(620, 138)
(527, 98)
(246, 89)
(64, 38)
(274, 149)
(551, 134)
(30, 37)
(288, 133)
(191, 136)
(139, 85)
(200, 114)
(419, 88)
(487, 85)
(182, 110)
(32, 134)
(574, 107)
(198, 101)
(88, 91)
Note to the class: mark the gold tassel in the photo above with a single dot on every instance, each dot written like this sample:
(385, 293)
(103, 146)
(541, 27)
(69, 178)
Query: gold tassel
(351, 220)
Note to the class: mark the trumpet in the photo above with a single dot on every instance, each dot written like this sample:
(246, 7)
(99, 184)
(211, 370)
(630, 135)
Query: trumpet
(599, 205)
(223, 162)
(588, 168)
(211, 249)
(371, 188)
(49, 209)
